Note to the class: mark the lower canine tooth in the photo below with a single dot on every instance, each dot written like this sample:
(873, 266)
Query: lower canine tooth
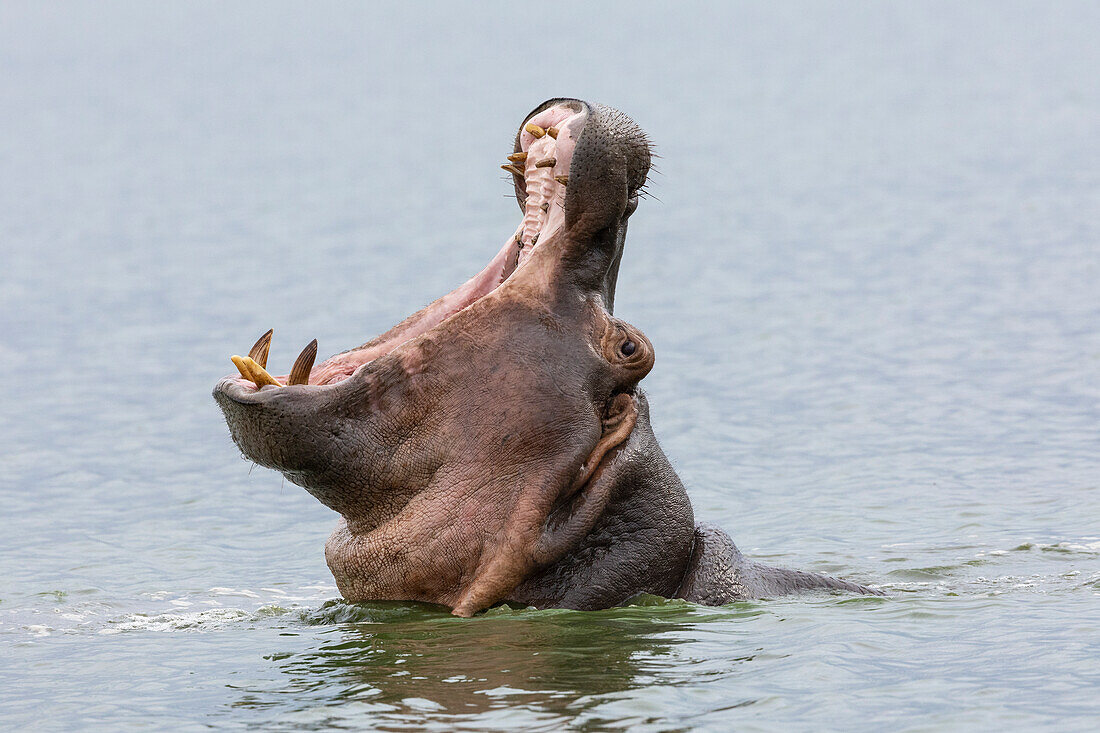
(534, 129)
(517, 157)
(552, 132)
(547, 163)
(299, 373)
(513, 170)
(258, 352)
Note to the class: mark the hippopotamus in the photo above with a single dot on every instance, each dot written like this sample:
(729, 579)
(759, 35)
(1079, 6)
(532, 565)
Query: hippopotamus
(495, 446)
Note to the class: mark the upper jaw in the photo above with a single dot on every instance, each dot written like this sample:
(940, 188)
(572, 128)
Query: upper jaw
(540, 164)
(605, 159)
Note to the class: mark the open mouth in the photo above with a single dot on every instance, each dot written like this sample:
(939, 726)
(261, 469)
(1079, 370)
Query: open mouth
(540, 166)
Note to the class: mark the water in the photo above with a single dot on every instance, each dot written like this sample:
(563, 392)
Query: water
(870, 278)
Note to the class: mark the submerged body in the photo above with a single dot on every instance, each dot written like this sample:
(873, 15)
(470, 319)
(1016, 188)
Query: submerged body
(495, 446)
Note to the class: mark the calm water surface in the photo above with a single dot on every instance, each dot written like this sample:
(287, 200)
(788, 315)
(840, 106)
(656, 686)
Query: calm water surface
(870, 274)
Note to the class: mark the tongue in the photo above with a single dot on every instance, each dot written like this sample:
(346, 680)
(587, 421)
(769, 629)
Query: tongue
(343, 365)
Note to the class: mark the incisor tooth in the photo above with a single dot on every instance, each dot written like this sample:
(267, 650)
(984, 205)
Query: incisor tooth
(534, 129)
(547, 163)
(517, 157)
(299, 373)
(260, 375)
(252, 371)
(258, 352)
(238, 361)
(513, 170)
(552, 132)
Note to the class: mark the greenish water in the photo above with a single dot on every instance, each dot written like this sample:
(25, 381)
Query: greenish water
(869, 273)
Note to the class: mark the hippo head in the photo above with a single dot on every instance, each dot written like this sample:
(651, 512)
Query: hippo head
(477, 441)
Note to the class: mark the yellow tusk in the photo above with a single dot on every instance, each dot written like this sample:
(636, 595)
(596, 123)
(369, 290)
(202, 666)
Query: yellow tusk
(534, 129)
(253, 372)
(238, 361)
(552, 132)
(547, 163)
(513, 170)
(517, 157)
(563, 180)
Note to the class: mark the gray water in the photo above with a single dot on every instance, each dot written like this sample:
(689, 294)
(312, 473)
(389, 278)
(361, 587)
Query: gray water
(871, 273)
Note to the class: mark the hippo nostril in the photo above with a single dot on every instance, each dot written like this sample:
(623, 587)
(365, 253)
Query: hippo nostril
(628, 348)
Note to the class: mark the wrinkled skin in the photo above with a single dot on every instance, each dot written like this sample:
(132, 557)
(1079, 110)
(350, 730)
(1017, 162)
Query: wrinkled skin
(495, 445)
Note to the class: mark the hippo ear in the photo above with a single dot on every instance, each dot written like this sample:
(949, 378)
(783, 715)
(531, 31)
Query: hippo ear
(551, 525)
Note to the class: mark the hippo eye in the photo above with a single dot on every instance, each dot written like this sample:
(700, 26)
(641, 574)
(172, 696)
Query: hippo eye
(628, 348)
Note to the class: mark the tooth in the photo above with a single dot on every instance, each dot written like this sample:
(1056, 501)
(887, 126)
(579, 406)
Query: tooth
(258, 352)
(299, 373)
(545, 206)
(244, 366)
(513, 170)
(563, 180)
(517, 157)
(260, 375)
(250, 370)
(552, 132)
(238, 361)
(547, 163)
(534, 129)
